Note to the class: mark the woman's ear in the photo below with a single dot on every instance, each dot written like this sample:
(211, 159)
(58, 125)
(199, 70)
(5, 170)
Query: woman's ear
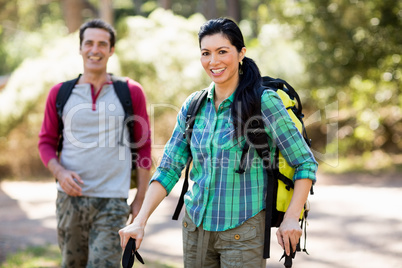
(242, 54)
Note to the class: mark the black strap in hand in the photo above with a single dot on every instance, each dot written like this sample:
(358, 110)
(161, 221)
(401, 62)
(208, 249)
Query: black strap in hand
(130, 253)
(288, 259)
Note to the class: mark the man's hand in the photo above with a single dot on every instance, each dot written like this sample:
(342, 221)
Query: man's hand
(68, 180)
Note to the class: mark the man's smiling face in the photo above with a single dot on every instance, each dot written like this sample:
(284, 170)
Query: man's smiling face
(95, 50)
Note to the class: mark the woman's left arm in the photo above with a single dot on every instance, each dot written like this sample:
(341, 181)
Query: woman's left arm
(289, 231)
(297, 153)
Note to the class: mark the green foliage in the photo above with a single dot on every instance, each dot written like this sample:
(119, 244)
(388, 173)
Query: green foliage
(26, 27)
(162, 53)
(59, 61)
(351, 50)
(343, 56)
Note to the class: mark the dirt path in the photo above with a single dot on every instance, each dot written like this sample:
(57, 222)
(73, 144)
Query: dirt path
(356, 221)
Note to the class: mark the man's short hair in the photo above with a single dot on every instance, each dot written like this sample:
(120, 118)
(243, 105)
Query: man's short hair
(100, 24)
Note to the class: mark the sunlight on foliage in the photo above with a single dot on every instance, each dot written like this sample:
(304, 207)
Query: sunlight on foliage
(335, 51)
(162, 53)
(59, 61)
(276, 55)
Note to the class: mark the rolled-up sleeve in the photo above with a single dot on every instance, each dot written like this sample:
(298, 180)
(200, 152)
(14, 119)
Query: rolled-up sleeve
(287, 137)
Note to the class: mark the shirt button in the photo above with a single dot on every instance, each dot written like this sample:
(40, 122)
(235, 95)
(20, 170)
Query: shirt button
(237, 237)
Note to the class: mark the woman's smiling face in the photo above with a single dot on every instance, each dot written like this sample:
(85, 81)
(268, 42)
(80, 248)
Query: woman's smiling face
(221, 59)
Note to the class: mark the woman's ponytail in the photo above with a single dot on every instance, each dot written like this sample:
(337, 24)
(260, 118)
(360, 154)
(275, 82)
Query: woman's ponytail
(246, 100)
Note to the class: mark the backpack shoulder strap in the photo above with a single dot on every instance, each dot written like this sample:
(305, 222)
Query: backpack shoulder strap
(64, 93)
(192, 112)
(61, 99)
(277, 83)
(190, 119)
(257, 137)
(123, 93)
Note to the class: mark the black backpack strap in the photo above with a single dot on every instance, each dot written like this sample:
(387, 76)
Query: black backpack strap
(259, 139)
(192, 112)
(123, 93)
(190, 119)
(277, 83)
(280, 83)
(288, 259)
(130, 253)
(61, 99)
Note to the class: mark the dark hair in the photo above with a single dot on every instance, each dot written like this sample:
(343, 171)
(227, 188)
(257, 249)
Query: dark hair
(246, 99)
(100, 24)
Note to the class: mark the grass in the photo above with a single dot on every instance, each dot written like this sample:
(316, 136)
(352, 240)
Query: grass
(49, 257)
(34, 257)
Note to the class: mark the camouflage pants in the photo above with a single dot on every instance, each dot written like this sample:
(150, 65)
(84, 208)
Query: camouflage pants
(88, 230)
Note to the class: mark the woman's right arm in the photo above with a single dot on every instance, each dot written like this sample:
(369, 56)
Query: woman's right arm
(174, 159)
(154, 196)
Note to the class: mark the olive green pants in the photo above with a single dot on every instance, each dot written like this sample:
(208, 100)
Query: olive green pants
(239, 247)
(88, 230)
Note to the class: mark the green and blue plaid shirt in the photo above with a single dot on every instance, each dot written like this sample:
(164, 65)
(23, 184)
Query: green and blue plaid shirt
(220, 198)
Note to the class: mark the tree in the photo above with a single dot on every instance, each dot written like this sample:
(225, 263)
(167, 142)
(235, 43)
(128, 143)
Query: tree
(72, 11)
(165, 4)
(208, 8)
(352, 52)
(233, 9)
(106, 11)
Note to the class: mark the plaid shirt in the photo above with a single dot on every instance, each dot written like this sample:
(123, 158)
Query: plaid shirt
(220, 198)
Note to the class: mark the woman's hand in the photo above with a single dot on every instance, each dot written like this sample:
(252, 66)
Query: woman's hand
(133, 230)
(289, 231)
(155, 194)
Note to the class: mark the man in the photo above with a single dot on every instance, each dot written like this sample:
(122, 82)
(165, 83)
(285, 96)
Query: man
(94, 167)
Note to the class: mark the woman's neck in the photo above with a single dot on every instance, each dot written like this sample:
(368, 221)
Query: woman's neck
(223, 92)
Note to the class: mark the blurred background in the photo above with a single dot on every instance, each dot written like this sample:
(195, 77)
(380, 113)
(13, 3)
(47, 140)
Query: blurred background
(342, 56)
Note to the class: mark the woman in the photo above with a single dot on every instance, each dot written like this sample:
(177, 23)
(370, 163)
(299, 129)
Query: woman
(224, 221)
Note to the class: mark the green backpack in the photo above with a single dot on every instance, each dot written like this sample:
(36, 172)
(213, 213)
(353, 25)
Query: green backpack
(280, 174)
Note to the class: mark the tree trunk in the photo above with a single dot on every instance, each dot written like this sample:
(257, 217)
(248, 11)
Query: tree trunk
(137, 7)
(233, 9)
(72, 12)
(106, 11)
(166, 4)
(209, 9)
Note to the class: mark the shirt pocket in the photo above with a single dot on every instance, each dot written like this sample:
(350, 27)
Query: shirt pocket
(199, 136)
(239, 234)
(225, 138)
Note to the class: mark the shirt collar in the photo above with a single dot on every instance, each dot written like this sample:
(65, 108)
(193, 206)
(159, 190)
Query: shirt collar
(211, 90)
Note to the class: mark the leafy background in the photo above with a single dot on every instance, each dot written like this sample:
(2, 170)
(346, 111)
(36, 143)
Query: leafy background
(342, 56)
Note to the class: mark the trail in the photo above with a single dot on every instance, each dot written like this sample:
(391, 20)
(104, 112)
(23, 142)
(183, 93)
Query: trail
(355, 221)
